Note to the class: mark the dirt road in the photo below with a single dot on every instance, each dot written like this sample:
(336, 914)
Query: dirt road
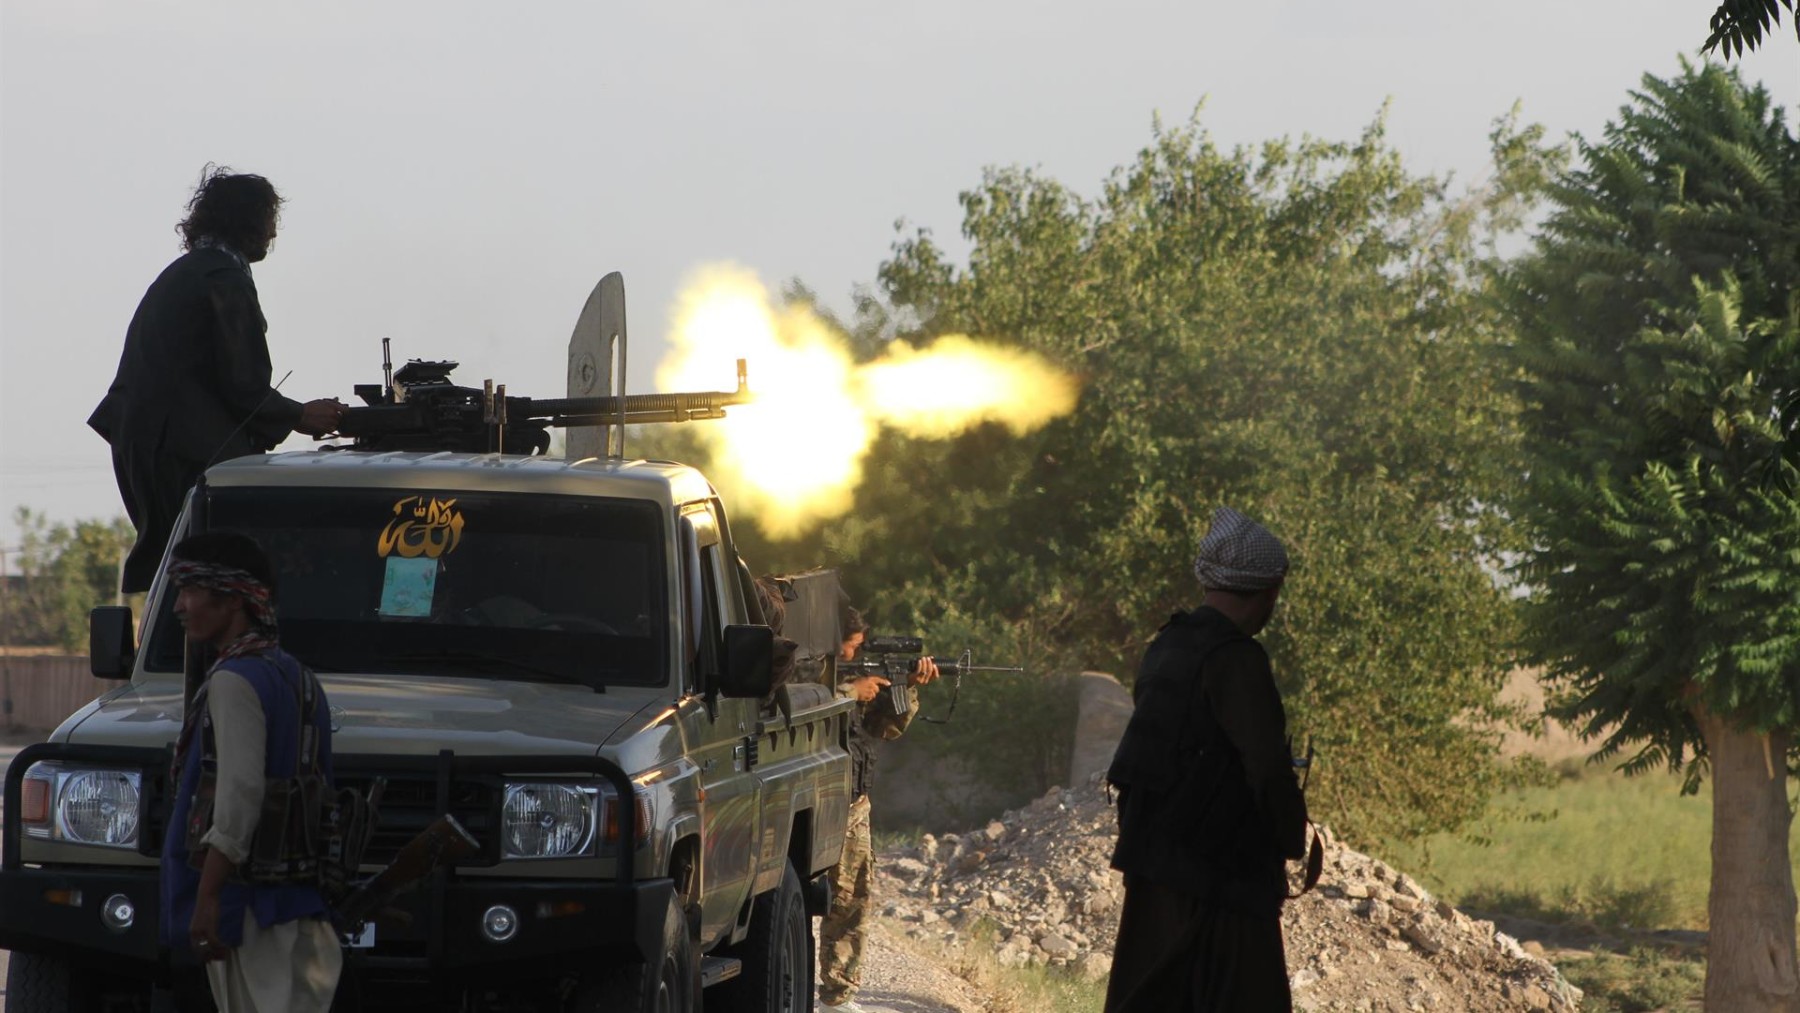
(898, 980)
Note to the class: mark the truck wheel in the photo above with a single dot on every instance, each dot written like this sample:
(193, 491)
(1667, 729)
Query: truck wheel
(36, 983)
(670, 985)
(777, 956)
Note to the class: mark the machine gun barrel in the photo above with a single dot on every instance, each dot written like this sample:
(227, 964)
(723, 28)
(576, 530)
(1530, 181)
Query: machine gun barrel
(632, 408)
(636, 408)
(426, 412)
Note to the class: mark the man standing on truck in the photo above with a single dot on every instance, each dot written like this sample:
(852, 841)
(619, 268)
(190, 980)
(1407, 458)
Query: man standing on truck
(853, 878)
(192, 386)
(1209, 807)
(266, 940)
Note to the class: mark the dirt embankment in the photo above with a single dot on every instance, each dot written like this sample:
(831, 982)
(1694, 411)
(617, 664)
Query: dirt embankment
(1035, 884)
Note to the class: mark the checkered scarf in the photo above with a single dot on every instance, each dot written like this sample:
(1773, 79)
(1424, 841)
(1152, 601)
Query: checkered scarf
(258, 601)
(261, 636)
(1239, 554)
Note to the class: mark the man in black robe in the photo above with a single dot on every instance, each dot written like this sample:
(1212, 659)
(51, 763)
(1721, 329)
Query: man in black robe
(193, 387)
(1209, 805)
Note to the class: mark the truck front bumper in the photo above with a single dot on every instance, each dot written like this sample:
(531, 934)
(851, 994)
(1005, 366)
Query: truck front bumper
(62, 912)
(549, 923)
(59, 912)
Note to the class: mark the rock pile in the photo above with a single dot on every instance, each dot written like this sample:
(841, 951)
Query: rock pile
(1036, 884)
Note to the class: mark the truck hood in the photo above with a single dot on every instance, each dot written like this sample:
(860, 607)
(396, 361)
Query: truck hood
(409, 715)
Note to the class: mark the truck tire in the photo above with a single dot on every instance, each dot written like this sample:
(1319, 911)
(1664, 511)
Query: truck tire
(36, 983)
(670, 985)
(777, 956)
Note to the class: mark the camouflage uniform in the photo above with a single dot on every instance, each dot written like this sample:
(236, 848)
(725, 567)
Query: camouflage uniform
(853, 879)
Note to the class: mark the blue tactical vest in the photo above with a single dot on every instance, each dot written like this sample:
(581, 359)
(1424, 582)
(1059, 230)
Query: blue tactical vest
(274, 674)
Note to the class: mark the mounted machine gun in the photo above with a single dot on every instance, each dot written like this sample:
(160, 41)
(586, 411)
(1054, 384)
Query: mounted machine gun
(418, 408)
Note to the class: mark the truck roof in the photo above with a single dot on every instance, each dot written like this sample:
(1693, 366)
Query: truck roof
(661, 481)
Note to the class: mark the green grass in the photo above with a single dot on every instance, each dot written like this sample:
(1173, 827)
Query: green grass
(1052, 990)
(1621, 852)
(1033, 988)
(1634, 982)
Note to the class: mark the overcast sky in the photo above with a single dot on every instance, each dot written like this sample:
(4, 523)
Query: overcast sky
(459, 175)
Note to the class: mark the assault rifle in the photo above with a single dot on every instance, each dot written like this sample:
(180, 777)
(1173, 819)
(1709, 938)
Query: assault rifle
(418, 408)
(893, 658)
(443, 843)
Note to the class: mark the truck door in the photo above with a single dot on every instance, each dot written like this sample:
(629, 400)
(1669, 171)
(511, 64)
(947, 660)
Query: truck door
(722, 729)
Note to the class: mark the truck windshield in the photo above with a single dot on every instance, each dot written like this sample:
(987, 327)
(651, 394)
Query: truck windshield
(510, 586)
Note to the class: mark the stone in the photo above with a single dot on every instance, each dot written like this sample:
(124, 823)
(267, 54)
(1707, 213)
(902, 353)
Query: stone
(995, 830)
(1422, 937)
(907, 868)
(1406, 886)
(1057, 946)
(1012, 956)
(1094, 965)
(1509, 946)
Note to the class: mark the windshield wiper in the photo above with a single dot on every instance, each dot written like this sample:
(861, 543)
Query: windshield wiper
(453, 654)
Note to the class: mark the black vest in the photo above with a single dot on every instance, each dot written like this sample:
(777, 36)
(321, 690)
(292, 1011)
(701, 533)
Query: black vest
(1187, 813)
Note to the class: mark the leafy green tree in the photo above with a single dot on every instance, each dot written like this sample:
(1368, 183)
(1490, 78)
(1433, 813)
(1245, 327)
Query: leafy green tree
(1659, 335)
(1741, 24)
(1303, 330)
(65, 570)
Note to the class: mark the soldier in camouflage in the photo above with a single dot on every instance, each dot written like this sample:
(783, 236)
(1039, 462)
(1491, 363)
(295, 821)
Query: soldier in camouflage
(853, 880)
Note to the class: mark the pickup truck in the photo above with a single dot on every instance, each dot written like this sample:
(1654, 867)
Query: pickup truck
(566, 655)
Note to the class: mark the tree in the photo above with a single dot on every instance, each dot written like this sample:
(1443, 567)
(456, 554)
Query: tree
(1659, 336)
(1741, 24)
(65, 570)
(1301, 330)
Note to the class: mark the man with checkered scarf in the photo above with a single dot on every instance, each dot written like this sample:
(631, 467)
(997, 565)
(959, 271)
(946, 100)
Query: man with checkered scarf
(266, 942)
(1209, 806)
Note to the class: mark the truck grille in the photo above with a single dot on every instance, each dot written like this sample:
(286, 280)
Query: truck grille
(409, 804)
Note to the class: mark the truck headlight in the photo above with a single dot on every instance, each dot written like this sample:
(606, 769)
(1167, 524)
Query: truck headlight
(81, 806)
(547, 820)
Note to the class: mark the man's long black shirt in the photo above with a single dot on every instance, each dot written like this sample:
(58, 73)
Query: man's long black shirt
(1210, 806)
(193, 380)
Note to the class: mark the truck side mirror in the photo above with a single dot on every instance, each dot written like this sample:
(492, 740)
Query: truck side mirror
(112, 642)
(749, 662)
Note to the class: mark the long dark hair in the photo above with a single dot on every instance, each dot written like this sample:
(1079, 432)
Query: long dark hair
(232, 208)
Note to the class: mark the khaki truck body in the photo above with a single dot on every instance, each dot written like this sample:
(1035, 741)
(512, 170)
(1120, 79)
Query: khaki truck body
(520, 642)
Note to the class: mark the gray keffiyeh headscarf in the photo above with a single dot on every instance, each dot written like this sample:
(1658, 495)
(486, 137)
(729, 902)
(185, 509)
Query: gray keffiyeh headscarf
(1239, 554)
